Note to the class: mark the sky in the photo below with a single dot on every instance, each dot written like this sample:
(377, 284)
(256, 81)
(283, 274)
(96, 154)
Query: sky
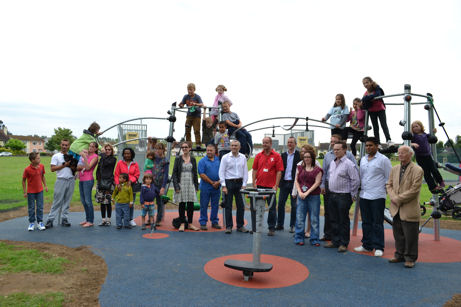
(69, 63)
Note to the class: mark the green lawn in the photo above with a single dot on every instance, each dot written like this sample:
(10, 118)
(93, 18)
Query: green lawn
(40, 300)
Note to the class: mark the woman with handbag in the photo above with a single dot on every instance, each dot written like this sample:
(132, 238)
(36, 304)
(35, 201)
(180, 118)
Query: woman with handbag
(185, 183)
(105, 186)
(130, 167)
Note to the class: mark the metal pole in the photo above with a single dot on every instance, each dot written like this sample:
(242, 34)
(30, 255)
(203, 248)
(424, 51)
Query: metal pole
(430, 113)
(407, 111)
(170, 132)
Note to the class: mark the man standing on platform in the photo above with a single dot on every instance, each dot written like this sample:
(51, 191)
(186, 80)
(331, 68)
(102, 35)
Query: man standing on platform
(344, 183)
(329, 157)
(233, 175)
(374, 174)
(267, 171)
(403, 187)
(289, 158)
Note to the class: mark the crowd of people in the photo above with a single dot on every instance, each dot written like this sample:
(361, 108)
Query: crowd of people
(224, 172)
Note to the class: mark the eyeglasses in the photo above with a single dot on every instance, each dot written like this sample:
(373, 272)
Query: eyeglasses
(308, 157)
(184, 147)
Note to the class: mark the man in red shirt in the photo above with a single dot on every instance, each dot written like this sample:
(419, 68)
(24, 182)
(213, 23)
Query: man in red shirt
(267, 171)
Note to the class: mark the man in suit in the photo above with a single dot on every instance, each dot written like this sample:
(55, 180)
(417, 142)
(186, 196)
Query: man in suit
(289, 158)
(403, 187)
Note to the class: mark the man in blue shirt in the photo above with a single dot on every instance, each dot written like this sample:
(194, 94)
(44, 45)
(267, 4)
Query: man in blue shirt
(374, 173)
(210, 187)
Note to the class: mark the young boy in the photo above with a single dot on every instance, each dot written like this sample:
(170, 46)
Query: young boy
(208, 128)
(34, 175)
(148, 194)
(123, 198)
(194, 102)
(222, 140)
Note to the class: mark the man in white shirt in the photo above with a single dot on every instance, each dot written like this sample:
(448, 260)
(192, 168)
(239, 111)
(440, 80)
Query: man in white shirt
(233, 175)
(374, 174)
(63, 188)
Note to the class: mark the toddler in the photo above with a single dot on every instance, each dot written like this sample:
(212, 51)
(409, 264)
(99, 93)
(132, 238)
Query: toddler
(148, 193)
(123, 198)
(222, 140)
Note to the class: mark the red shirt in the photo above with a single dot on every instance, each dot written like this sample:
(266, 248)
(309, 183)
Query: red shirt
(122, 167)
(266, 167)
(34, 178)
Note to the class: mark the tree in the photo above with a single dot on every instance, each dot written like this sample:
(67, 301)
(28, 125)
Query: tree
(15, 144)
(55, 140)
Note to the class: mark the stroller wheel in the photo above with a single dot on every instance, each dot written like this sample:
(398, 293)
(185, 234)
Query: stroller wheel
(456, 214)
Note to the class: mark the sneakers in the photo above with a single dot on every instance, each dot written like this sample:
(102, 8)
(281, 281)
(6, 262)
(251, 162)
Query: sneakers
(132, 223)
(41, 226)
(242, 229)
(271, 233)
(203, 227)
(362, 249)
(216, 226)
(228, 230)
(378, 253)
(65, 223)
(31, 227)
(49, 224)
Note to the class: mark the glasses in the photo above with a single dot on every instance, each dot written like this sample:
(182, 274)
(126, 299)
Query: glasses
(309, 157)
(184, 147)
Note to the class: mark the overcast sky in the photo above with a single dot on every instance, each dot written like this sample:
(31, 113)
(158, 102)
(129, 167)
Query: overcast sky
(68, 63)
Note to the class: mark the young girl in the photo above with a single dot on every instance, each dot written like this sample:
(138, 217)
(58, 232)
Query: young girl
(148, 193)
(357, 121)
(149, 163)
(219, 98)
(208, 128)
(424, 158)
(376, 108)
(338, 116)
(123, 198)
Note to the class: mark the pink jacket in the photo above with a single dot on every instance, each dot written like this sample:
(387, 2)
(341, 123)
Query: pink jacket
(122, 167)
(360, 117)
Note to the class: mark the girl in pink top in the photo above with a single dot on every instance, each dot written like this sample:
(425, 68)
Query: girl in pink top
(86, 168)
(219, 98)
(357, 121)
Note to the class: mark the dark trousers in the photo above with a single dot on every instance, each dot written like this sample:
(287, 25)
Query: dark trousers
(431, 173)
(355, 137)
(233, 190)
(190, 212)
(341, 131)
(285, 190)
(381, 115)
(272, 216)
(340, 204)
(406, 239)
(327, 230)
(372, 212)
(104, 208)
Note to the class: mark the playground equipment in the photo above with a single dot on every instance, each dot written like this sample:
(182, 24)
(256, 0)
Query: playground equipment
(258, 197)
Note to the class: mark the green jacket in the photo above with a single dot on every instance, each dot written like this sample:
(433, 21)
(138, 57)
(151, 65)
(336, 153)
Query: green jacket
(125, 195)
(83, 142)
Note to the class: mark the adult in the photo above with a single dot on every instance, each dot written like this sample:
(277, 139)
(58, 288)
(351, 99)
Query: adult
(374, 174)
(344, 183)
(267, 171)
(403, 187)
(160, 170)
(194, 102)
(105, 186)
(233, 175)
(328, 158)
(376, 108)
(210, 188)
(185, 184)
(63, 187)
(128, 166)
(307, 181)
(86, 182)
(290, 159)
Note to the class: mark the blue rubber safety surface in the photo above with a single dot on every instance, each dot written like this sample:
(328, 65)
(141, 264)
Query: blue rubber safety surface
(169, 272)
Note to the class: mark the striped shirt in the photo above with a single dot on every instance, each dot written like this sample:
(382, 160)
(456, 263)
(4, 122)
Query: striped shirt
(344, 177)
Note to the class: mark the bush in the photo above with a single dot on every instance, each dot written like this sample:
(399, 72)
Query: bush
(19, 152)
(2, 149)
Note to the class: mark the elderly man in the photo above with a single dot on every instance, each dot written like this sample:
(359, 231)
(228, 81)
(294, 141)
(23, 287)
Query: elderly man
(290, 158)
(233, 175)
(344, 183)
(63, 187)
(374, 173)
(403, 187)
(208, 169)
(329, 157)
(267, 171)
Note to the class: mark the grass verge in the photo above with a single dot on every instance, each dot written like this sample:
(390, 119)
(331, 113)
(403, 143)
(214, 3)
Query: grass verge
(23, 299)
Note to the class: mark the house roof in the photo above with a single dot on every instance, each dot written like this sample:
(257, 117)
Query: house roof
(27, 138)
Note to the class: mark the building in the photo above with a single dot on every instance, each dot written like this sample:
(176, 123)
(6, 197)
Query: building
(279, 141)
(3, 134)
(33, 143)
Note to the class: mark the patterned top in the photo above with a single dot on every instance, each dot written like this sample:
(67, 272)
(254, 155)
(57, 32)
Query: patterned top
(187, 191)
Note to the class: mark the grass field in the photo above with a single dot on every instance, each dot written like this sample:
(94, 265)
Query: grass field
(11, 189)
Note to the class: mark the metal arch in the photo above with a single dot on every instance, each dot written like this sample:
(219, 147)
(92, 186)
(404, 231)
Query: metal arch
(133, 119)
(268, 127)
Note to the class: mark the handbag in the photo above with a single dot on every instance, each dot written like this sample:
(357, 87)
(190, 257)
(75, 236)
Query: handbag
(136, 186)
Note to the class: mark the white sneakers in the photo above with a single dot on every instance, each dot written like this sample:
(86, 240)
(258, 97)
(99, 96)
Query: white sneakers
(361, 249)
(378, 253)
(133, 223)
(40, 226)
(31, 227)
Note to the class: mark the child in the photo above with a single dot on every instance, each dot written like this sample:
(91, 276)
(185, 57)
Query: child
(220, 98)
(424, 158)
(149, 163)
(233, 123)
(34, 174)
(194, 102)
(357, 121)
(123, 198)
(338, 116)
(148, 193)
(222, 140)
(80, 146)
(376, 108)
(208, 128)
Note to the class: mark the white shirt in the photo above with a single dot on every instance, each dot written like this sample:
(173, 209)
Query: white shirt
(374, 174)
(57, 160)
(233, 167)
(290, 157)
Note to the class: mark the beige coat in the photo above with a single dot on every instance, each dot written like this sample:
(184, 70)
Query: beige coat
(405, 193)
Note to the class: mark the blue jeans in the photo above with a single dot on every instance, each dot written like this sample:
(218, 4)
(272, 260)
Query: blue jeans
(309, 204)
(86, 187)
(372, 212)
(122, 213)
(207, 195)
(35, 202)
(285, 190)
